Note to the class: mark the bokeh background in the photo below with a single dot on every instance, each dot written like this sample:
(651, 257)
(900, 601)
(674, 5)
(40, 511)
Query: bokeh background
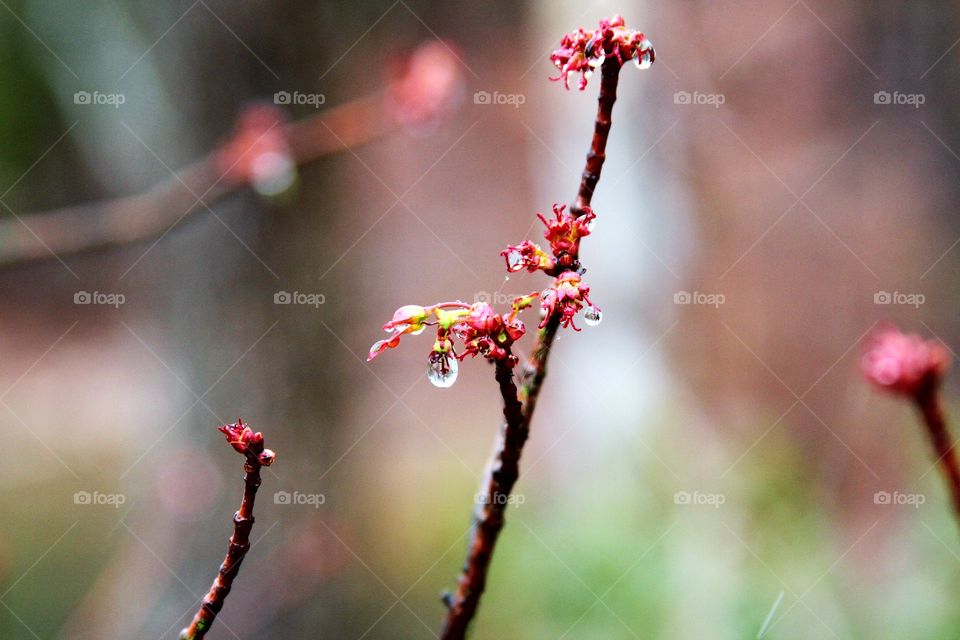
(694, 470)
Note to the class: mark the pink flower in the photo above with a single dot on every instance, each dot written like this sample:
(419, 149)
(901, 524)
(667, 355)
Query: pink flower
(582, 52)
(244, 440)
(567, 296)
(903, 363)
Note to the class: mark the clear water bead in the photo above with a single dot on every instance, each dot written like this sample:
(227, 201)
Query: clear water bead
(442, 369)
(514, 260)
(644, 57)
(592, 316)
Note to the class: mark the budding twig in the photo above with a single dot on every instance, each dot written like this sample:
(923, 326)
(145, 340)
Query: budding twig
(250, 444)
(611, 44)
(909, 366)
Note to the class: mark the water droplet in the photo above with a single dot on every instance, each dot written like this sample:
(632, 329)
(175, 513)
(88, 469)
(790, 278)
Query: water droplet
(422, 328)
(592, 316)
(597, 62)
(644, 58)
(514, 260)
(442, 369)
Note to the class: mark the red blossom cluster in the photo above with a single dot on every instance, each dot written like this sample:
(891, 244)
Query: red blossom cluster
(903, 363)
(248, 442)
(582, 52)
(567, 295)
(563, 233)
(480, 329)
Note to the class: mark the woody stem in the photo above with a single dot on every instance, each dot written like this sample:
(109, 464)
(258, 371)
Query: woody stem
(519, 406)
(488, 517)
(239, 545)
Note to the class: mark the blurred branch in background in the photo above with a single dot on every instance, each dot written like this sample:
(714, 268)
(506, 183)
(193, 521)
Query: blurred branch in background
(263, 152)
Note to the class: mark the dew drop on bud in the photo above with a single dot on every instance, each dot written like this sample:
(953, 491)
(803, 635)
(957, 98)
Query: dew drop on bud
(442, 369)
(592, 316)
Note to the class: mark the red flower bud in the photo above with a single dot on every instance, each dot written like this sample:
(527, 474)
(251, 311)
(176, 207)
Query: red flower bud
(903, 363)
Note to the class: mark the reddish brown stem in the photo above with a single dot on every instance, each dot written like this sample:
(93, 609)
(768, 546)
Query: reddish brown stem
(239, 545)
(931, 407)
(492, 501)
(609, 77)
(519, 406)
(129, 219)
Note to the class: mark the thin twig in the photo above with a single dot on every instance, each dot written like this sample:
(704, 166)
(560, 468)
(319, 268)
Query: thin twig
(492, 502)
(251, 445)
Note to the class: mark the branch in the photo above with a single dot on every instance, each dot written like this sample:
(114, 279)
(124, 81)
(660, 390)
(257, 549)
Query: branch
(493, 499)
(519, 406)
(250, 444)
(423, 87)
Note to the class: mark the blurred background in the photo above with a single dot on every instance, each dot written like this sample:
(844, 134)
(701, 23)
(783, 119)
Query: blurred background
(704, 464)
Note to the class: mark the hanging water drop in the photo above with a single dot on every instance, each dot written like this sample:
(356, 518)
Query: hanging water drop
(514, 260)
(442, 369)
(592, 316)
(644, 57)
